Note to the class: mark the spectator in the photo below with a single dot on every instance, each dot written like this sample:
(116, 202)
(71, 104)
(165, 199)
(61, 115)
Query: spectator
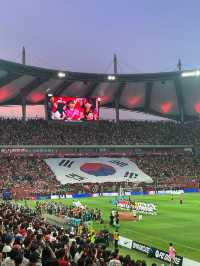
(115, 260)
(39, 249)
(16, 132)
(116, 239)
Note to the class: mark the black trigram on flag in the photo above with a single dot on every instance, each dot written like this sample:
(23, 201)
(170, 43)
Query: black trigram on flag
(130, 175)
(66, 163)
(118, 163)
(76, 177)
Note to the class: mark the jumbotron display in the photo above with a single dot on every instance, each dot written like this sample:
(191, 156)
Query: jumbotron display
(73, 108)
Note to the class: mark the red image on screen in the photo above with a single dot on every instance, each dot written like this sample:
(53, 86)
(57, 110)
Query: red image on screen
(73, 108)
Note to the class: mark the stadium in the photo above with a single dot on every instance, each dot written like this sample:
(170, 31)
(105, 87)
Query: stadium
(133, 183)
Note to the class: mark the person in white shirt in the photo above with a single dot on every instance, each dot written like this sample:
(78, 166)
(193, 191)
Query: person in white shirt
(115, 261)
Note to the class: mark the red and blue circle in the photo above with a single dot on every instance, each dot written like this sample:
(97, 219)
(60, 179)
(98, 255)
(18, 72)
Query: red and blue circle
(97, 169)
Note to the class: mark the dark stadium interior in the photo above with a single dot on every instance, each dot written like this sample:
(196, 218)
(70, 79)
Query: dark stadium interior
(169, 171)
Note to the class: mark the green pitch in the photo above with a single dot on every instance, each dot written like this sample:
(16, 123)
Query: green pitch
(179, 224)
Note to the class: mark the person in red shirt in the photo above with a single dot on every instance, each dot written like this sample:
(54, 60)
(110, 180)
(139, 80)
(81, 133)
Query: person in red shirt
(61, 257)
(22, 230)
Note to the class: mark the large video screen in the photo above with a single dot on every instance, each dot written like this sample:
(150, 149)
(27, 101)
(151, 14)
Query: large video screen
(73, 108)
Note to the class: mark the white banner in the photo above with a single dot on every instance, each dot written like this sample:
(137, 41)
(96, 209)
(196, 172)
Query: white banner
(125, 242)
(171, 192)
(96, 170)
(63, 197)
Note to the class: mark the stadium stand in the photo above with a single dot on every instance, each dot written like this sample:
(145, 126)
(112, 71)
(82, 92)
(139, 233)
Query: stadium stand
(27, 177)
(29, 240)
(164, 94)
(40, 132)
(25, 237)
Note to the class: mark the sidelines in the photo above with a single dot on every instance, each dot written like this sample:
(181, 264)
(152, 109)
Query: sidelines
(131, 244)
(111, 194)
(187, 261)
(155, 252)
(149, 251)
(164, 241)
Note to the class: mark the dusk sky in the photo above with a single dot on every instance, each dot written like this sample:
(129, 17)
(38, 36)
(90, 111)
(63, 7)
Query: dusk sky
(82, 35)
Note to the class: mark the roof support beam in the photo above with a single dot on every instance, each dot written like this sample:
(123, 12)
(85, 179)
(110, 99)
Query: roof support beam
(23, 109)
(148, 92)
(180, 99)
(25, 91)
(63, 86)
(9, 78)
(117, 100)
(91, 89)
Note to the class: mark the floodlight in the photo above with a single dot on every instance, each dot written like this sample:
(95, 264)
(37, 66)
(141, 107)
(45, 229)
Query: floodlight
(111, 77)
(195, 73)
(61, 75)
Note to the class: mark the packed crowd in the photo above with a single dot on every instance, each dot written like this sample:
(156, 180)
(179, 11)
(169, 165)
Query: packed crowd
(29, 176)
(103, 132)
(26, 239)
(174, 170)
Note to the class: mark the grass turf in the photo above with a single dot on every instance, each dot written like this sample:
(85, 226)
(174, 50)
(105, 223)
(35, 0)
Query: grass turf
(174, 223)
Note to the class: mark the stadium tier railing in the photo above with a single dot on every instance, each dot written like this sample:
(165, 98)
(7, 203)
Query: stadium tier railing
(121, 150)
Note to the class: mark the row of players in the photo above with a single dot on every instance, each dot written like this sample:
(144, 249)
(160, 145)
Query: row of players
(140, 207)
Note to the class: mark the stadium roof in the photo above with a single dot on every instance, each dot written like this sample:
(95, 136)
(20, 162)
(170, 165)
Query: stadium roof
(168, 94)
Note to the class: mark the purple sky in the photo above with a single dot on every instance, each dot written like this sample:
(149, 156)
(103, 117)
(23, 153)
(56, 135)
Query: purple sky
(82, 35)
